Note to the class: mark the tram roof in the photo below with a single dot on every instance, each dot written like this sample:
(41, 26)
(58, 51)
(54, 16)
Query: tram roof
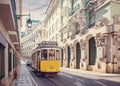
(47, 44)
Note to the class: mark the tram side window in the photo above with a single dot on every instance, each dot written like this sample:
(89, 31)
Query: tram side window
(39, 55)
(44, 54)
(52, 54)
(57, 55)
(33, 57)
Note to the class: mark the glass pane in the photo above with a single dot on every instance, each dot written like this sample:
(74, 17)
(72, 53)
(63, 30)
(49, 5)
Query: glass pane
(44, 54)
(51, 54)
(57, 55)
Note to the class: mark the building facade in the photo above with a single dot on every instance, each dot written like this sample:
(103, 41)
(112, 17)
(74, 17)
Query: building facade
(88, 32)
(31, 39)
(9, 39)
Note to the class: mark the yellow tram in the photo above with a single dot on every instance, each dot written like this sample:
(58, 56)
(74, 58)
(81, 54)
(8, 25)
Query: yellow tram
(46, 58)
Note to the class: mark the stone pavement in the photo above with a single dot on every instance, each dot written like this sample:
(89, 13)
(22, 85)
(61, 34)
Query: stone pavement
(24, 78)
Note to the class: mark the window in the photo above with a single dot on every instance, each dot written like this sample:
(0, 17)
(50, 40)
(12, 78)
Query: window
(61, 36)
(44, 54)
(77, 28)
(61, 20)
(61, 4)
(57, 55)
(51, 54)
(91, 18)
(2, 70)
(72, 4)
(68, 34)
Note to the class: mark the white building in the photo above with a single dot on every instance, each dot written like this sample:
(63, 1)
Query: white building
(31, 40)
(88, 31)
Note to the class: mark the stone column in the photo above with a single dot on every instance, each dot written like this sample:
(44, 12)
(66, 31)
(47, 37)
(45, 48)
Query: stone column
(72, 60)
(101, 42)
(83, 64)
(5, 80)
(64, 57)
(114, 50)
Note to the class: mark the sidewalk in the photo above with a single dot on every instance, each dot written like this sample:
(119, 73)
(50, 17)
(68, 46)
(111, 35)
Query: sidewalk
(88, 72)
(114, 77)
(24, 78)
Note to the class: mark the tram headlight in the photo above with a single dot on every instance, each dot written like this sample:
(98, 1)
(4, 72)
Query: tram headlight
(51, 67)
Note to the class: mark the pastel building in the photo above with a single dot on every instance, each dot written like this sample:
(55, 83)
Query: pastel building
(9, 39)
(88, 32)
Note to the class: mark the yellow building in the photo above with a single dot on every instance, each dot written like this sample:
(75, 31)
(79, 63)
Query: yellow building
(9, 39)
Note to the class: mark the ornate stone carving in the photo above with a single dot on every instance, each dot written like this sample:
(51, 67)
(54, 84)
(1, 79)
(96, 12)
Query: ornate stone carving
(101, 22)
(100, 40)
(116, 19)
(82, 31)
(90, 5)
(71, 48)
(83, 44)
(116, 38)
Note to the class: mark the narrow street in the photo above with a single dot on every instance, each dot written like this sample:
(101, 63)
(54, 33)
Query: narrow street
(59, 42)
(66, 79)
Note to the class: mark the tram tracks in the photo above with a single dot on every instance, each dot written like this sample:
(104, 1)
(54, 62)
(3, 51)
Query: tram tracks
(53, 82)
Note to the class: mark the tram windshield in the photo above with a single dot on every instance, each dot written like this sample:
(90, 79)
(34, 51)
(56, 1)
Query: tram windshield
(50, 54)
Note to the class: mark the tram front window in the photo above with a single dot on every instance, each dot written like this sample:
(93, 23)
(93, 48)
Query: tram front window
(44, 54)
(52, 54)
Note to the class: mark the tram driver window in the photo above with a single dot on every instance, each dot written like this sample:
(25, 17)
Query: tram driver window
(44, 54)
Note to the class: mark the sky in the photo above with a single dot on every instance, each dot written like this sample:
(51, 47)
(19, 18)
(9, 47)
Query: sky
(36, 8)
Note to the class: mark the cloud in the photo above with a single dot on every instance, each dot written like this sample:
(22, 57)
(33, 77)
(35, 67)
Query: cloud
(37, 8)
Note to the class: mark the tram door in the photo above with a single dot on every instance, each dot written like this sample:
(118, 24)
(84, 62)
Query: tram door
(69, 56)
(92, 51)
(78, 55)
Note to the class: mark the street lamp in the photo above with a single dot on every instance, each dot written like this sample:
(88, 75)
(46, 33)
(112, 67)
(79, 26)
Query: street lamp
(29, 23)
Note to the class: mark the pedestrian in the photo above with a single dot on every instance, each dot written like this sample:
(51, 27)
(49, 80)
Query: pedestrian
(15, 74)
